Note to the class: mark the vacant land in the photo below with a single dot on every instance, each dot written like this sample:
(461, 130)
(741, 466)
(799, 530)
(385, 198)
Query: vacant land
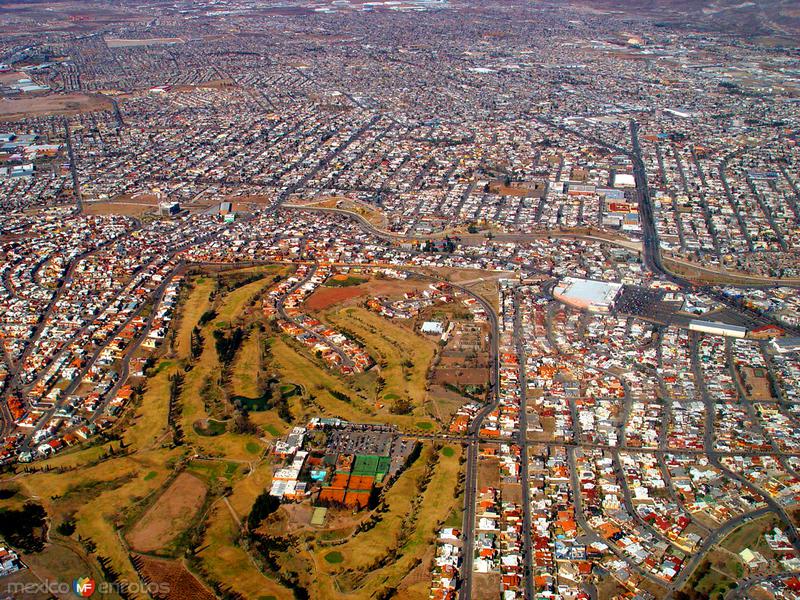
(372, 215)
(52, 104)
(131, 43)
(128, 209)
(12, 77)
(134, 205)
(325, 297)
(170, 515)
(488, 472)
(486, 585)
(444, 403)
(60, 561)
(173, 575)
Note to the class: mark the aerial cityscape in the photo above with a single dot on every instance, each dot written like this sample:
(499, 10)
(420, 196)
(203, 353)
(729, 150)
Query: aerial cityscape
(400, 299)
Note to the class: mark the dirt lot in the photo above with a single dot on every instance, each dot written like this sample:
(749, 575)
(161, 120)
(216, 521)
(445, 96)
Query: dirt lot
(211, 84)
(445, 402)
(486, 585)
(24, 577)
(52, 104)
(325, 297)
(170, 515)
(11, 77)
(512, 492)
(172, 575)
(459, 376)
(126, 43)
(760, 384)
(130, 209)
(488, 473)
(134, 205)
(298, 516)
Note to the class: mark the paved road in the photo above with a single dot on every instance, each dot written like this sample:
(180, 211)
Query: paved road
(124, 369)
(471, 466)
(346, 361)
(523, 457)
(590, 534)
(73, 167)
(125, 365)
(156, 296)
(712, 540)
(652, 259)
(746, 584)
(714, 456)
(651, 251)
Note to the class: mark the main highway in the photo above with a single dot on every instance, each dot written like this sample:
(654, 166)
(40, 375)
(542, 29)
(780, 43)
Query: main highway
(651, 252)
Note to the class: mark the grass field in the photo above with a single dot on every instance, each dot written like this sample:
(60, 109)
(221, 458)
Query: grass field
(192, 310)
(316, 381)
(225, 560)
(344, 281)
(403, 356)
(99, 497)
(207, 367)
(244, 380)
(222, 556)
(63, 560)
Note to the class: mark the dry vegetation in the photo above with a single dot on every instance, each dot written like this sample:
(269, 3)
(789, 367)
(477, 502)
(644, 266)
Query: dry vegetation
(52, 104)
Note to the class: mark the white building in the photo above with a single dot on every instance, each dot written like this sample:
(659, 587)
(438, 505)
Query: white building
(717, 328)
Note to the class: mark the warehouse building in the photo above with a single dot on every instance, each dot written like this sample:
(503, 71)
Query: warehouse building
(717, 328)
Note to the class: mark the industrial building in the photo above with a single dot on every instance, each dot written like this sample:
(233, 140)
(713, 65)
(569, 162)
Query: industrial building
(169, 209)
(786, 345)
(717, 328)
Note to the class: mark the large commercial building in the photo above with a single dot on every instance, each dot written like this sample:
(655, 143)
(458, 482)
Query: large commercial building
(587, 294)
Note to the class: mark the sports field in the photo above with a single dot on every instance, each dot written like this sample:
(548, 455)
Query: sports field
(390, 554)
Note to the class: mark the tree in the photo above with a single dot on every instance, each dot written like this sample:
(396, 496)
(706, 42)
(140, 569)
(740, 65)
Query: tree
(196, 343)
(264, 505)
(24, 528)
(401, 406)
(66, 527)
